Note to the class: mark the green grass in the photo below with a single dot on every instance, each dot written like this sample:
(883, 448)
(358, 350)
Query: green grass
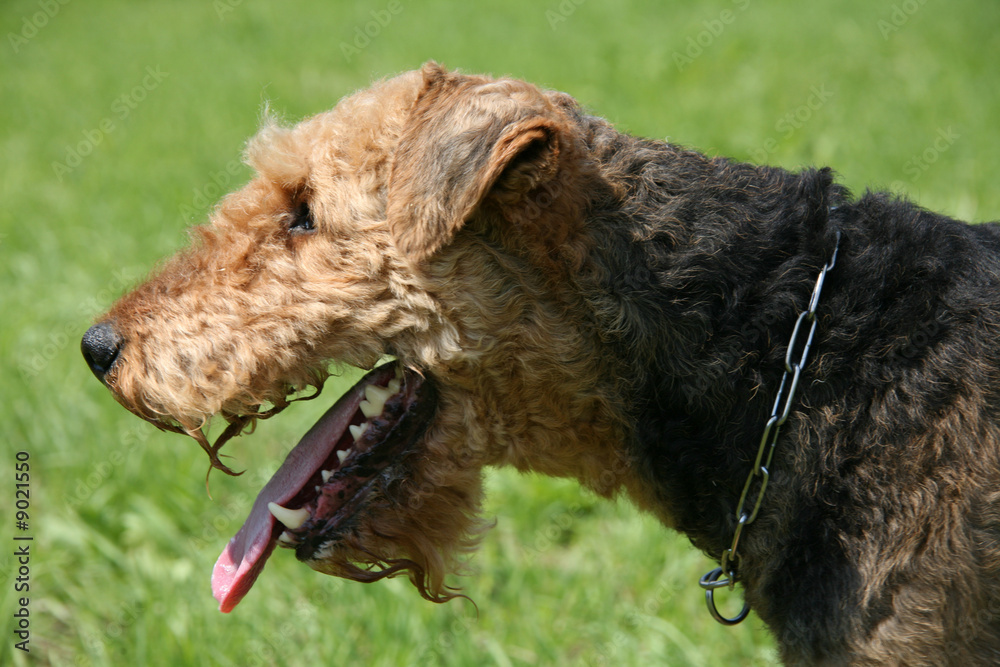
(124, 535)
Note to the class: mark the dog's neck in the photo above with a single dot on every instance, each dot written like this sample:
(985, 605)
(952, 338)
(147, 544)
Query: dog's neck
(701, 330)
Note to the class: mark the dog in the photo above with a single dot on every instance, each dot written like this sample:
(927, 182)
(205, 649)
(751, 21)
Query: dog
(560, 297)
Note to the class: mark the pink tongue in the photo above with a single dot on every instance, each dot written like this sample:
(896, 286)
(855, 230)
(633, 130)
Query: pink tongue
(244, 557)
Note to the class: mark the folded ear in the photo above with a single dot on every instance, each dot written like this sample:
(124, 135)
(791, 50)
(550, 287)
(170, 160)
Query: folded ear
(467, 139)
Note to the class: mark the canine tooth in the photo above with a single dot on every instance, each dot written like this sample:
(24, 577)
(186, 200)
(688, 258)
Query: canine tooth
(358, 431)
(381, 393)
(325, 474)
(376, 396)
(291, 518)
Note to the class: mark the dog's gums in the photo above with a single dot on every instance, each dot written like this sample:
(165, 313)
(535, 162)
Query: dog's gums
(363, 440)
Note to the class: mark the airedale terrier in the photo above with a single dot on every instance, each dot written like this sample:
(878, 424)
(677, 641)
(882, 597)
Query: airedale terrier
(564, 298)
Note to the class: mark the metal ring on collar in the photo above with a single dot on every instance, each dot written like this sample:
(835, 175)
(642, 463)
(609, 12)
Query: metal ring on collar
(710, 582)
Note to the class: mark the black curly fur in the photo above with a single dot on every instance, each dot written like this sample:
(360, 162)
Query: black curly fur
(891, 452)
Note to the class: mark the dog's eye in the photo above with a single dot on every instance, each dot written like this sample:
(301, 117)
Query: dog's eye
(301, 219)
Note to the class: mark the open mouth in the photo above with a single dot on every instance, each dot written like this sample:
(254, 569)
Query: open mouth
(325, 479)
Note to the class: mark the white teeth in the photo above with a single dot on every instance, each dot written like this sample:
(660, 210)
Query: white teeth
(325, 474)
(343, 454)
(357, 431)
(286, 538)
(376, 396)
(376, 400)
(291, 518)
(382, 393)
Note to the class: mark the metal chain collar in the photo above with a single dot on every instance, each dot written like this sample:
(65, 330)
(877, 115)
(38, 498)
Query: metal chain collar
(725, 575)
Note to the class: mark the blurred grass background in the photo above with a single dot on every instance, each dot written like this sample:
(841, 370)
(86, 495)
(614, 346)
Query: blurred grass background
(122, 122)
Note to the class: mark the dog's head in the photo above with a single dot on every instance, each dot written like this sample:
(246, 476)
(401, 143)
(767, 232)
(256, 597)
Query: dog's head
(431, 219)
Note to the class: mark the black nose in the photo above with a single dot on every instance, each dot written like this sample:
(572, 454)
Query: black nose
(100, 347)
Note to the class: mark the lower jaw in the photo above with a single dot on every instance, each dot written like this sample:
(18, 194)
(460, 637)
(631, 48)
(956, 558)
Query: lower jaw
(317, 491)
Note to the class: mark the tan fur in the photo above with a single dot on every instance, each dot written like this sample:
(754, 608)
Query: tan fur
(249, 315)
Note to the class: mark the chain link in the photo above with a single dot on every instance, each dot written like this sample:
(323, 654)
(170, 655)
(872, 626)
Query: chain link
(725, 575)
